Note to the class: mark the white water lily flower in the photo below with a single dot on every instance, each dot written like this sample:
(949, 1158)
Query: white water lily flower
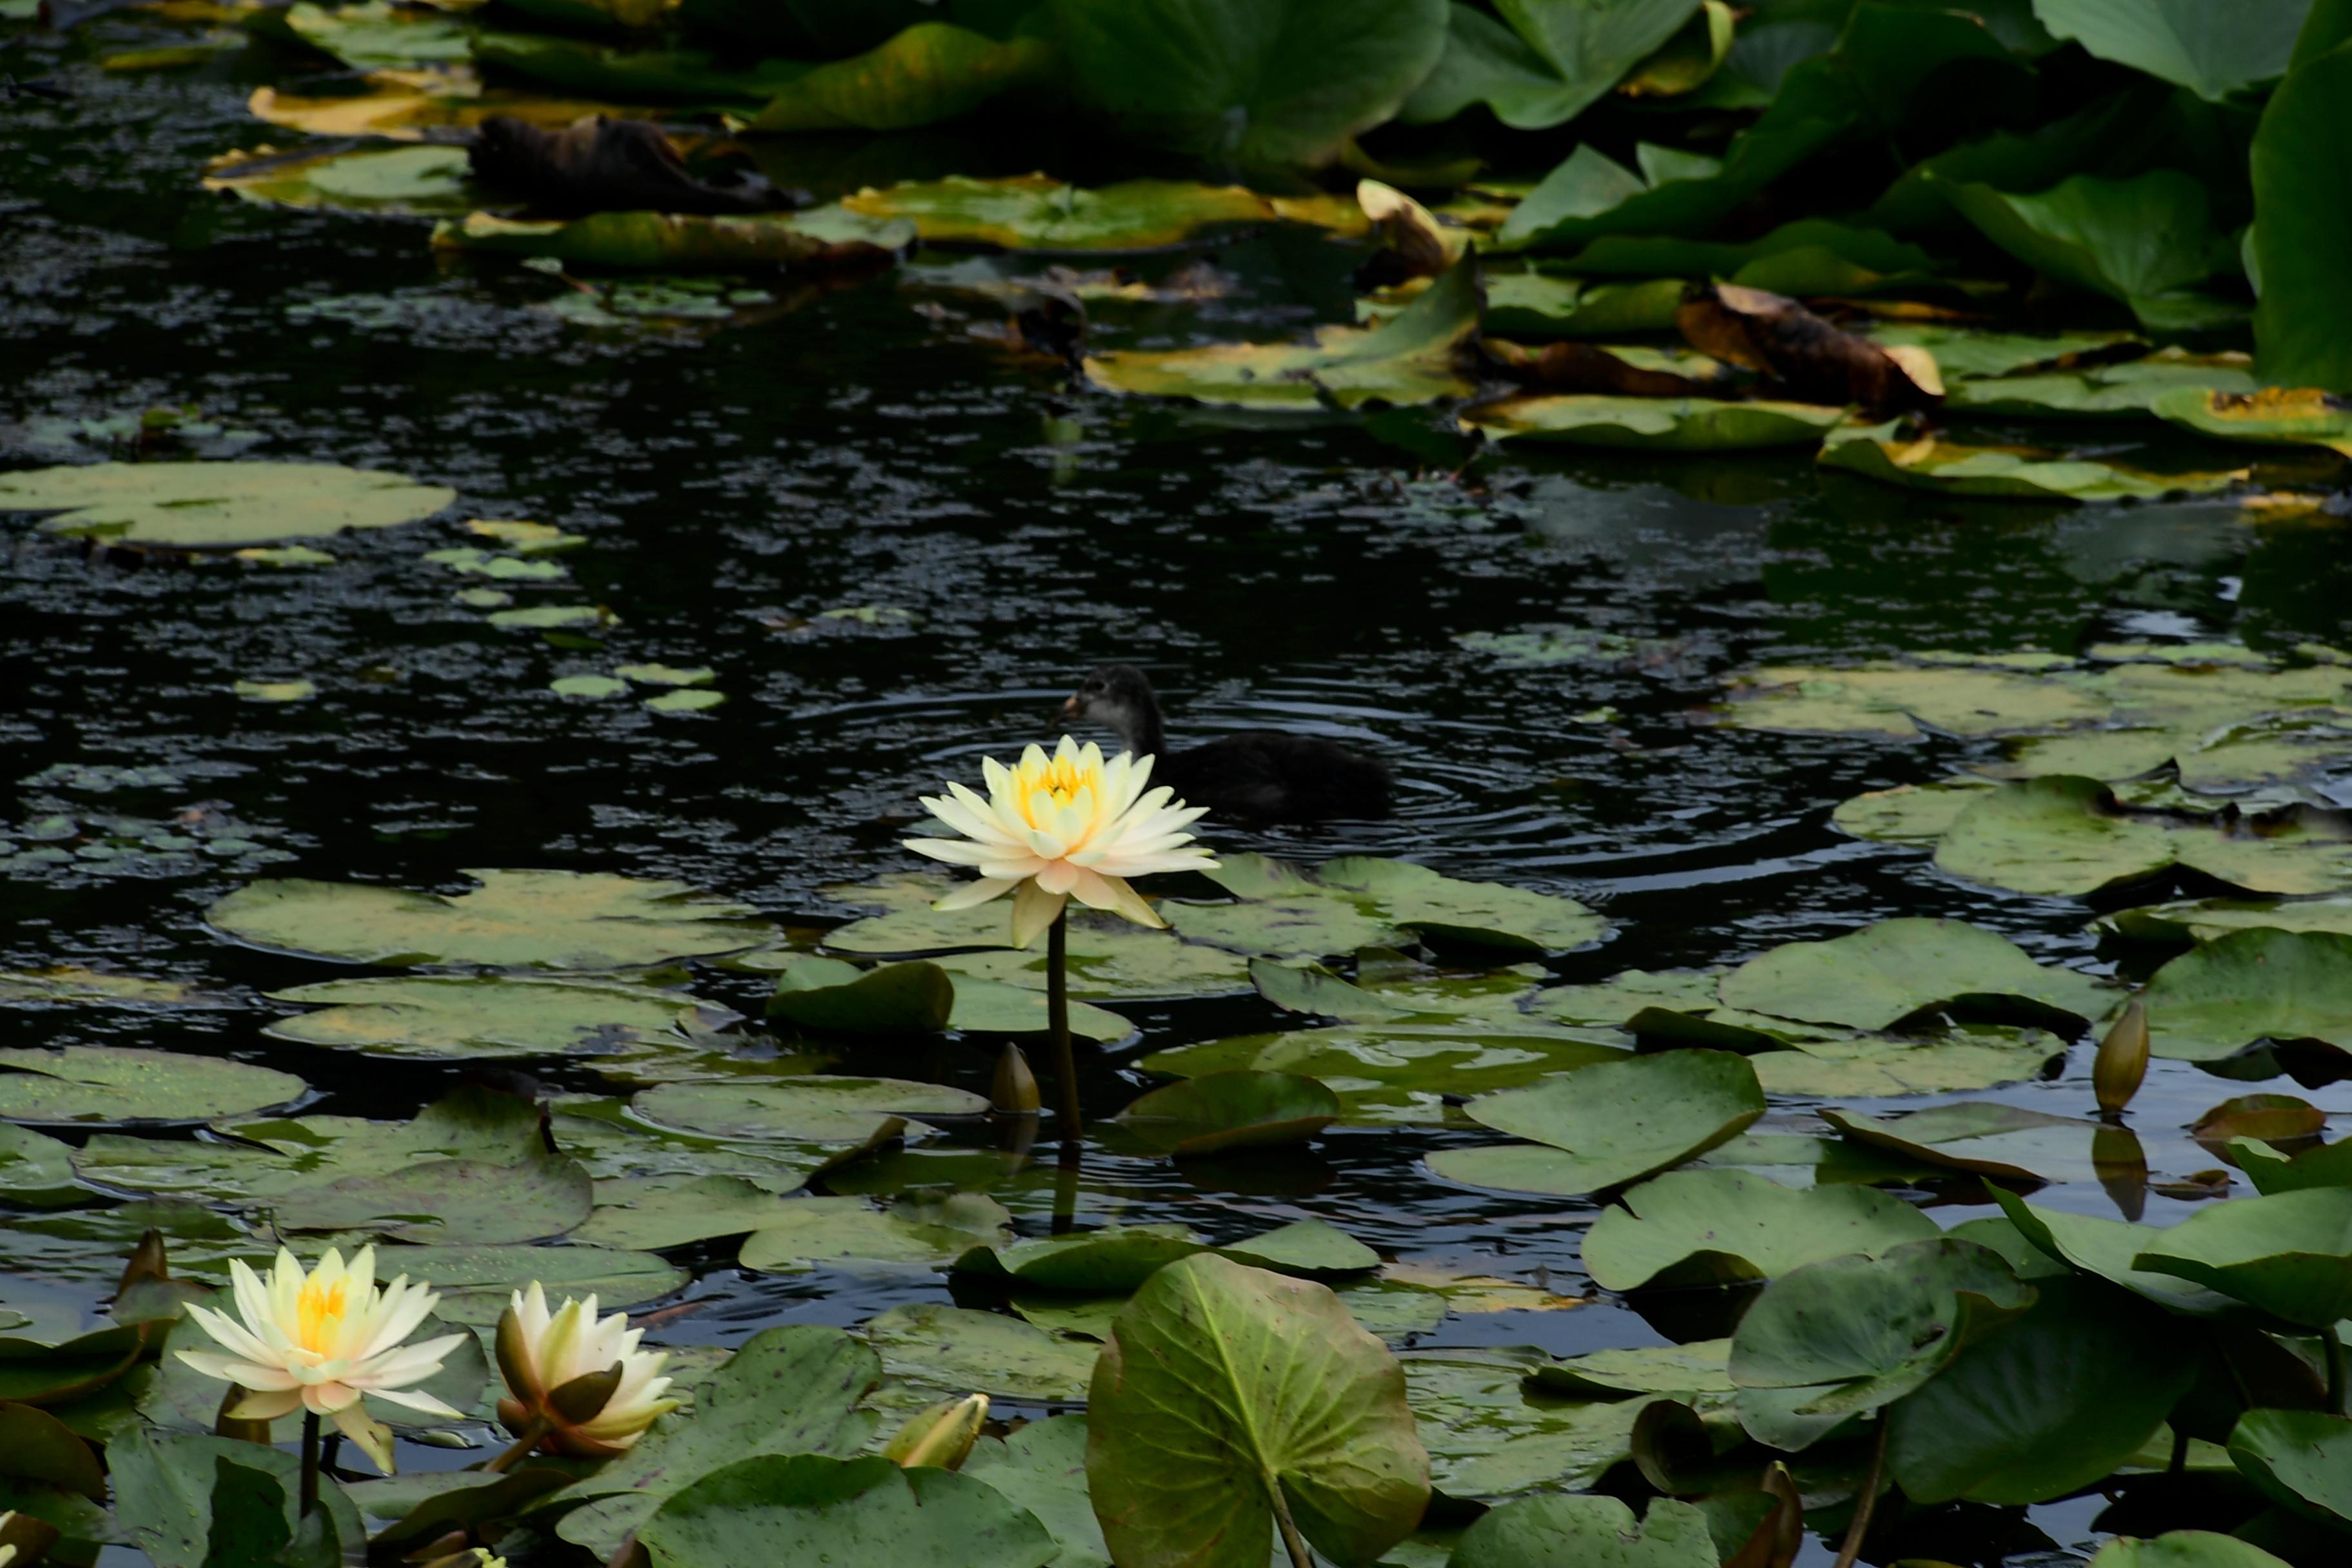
(317, 1342)
(1066, 826)
(544, 1356)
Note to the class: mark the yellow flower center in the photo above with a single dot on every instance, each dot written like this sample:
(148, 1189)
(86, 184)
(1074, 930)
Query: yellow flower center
(1063, 779)
(319, 1311)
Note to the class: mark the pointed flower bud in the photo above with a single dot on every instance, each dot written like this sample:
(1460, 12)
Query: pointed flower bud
(940, 1436)
(578, 1379)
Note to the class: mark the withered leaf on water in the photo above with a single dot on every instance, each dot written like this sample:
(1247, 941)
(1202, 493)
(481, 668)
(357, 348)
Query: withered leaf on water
(1570, 366)
(601, 164)
(1816, 362)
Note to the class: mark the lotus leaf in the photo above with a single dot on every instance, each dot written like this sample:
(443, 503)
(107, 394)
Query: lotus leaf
(1970, 1057)
(374, 36)
(1042, 1467)
(1698, 1367)
(804, 1233)
(1592, 1531)
(1305, 1247)
(121, 1083)
(2272, 1170)
(1112, 961)
(173, 1493)
(1385, 994)
(1034, 213)
(2213, 54)
(828, 997)
(1547, 65)
(2185, 1548)
(1221, 1112)
(489, 1016)
(1797, 1160)
(2042, 1405)
(2301, 224)
(1982, 1137)
(2106, 1248)
(809, 1508)
(37, 1171)
(515, 919)
(429, 181)
(930, 72)
(1408, 359)
(2288, 1255)
(1609, 1124)
(1253, 82)
(1666, 423)
(938, 1351)
(1876, 977)
(1722, 1226)
(2300, 416)
(585, 65)
(1399, 1072)
(612, 1143)
(794, 1389)
(396, 106)
(1228, 1399)
(1967, 354)
(2301, 1458)
(814, 1107)
(2288, 986)
(475, 1283)
(215, 506)
(1886, 698)
(2022, 473)
(2143, 241)
(456, 1203)
(659, 1212)
(1489, 1436)
(1532, 305)
(2137, 387)
(673, 242)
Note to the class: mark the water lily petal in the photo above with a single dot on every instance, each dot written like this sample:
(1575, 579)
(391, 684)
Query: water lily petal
(1033, 909)
(976, 893)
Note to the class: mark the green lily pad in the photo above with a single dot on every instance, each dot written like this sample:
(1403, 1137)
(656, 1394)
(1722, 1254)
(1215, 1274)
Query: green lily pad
(1722, 1226)
(2145, 241)
(374, 36)
(454, 1203)
(606, 1137)
(1701, 1366)
(407, 180)
(1226, 1393)
(1042, 1467)
(1491, 1436)
(2288, 1255)
(2288, 986)
(1358, 902)
(658, 1212)
(927, 72)
(101, 1084)
(2066, 836)
(1033, 212)
(1547, 65)
(694, 701)
(594, 688)
(1396, 1073)
(1609, 1124)
(1658, 424)
(1886, 698)
(1982, 1137)
(1532, 1531)
(2294, 417)
(1110, 959)
(489, 1015)
(1408, 359)
(1969, 353)
(476, 1283)
(829, 997)
(1969, 1058)
(215, 506)
(1533, 305)
(1388, 990)
(930, 1352)
(2185, 1548)
(2108, 1248)
(679, 242)
(2183, 46)
(809, 1508)
(999, 1007)
(69, 987)
(2136, 388)
(2272, 1170)
(813, 1107)
(2301, 1458)
(2298, 223)
(37, 1171)
(807, 1232)
(1114, 1259)
(173, 1493)
(1797, 1160)
(1223, 1112)
(2013, 473)
(1876, 977)
(515, 919)
(1307, 1247)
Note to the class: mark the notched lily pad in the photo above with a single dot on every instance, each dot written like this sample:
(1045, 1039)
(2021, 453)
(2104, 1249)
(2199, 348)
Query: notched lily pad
(2291, 987)
(121, 1083)
(1223, 1112)
(1876, 977)
(215, 506)
(490, 1015)
(1604, 1125)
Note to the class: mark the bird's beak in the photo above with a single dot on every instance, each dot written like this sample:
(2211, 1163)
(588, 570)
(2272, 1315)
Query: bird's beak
(1070, 708)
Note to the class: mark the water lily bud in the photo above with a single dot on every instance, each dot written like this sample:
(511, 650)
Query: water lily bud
(940, 1436)
(2122, 1061)
(1016, 1091)
(579, 1381)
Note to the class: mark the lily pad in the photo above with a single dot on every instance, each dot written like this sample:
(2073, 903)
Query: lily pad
(677, 242)
(807, 1106)
(1692, 1227)
(1657, 424)
(1396, 1073)
(1609, 1123)
(1034, 212)
(2288, 1255)
(2181, 44)
(1876, 977)
(1223, 1112)
(1411, 358)
(2136, 388)
(1490, 1436)
(806, 1233)
(2185, 1548)
(1968, 1058)
(2301, 416)
(215, 506)
(1969, 353)
(1600, 1531)
(2016, 473)
(99, 1084)
(2109, 1249)
(37, 1171)
(1042, 1467)
(1981, 1138)
(809, 1508)
(69, 986)
(2066, 836)
(489, 1016)
(1112, 1260)
(2300, 1457)
(455, 1203)
(2291, 987)
(1701, 1366)
(829, 997)
(407, 180)
(666, 1211)
(476, 1283)
(930, 1352)
(515, 919)
(373, 35)
(685, 702)
(1226, 1395)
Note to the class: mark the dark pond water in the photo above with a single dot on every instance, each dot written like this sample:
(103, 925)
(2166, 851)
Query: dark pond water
(863, 449)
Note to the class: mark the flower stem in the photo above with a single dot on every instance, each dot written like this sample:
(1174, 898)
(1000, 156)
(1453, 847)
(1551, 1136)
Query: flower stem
(1057, 1021)
(1851, 1547)
(537, 1428)
(309, 1463)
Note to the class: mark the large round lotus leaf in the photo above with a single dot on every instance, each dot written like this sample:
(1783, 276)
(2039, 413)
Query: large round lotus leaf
(2248, 986)
(807, 1508)
(2016, 473)
(831, 997)
(1411, 358)
(1224, 1392)
(455, 1203)
(1262, 84)
(1041, 1466)
(1658, 424)
(2185, 1548)
(476, 1283)
(1876, 977)
(2065, 835)
(1489, 1435)
(37, 1171)
(2106, 1248)
(931, 1351)
(1478, 915)
(2044, 1406)
(792, 1389)
(515, 919)
(1690, 1228)
(2302, 1459)
(217, 506)
(1220, 1112)
(121, 1083)
(1699, 1367)
(1985, 1138)
(1849, 1334)
(2289, 1255)
(1033, 212)
(489, 1015)
(813, 1107)
(1114, 1259)
(659, 1212)
(1590, 1532)
(1398, 1072)
(808, 1232)
(409, 181)
(1969, 1058)
(1609, 1124)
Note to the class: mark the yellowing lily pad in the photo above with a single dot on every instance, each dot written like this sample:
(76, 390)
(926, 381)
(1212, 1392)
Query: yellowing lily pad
(409, 181)
(1929, 462)
(215, 506)
(673, 242)
(1662, 423)
(2293, 417)
(1033, 212)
